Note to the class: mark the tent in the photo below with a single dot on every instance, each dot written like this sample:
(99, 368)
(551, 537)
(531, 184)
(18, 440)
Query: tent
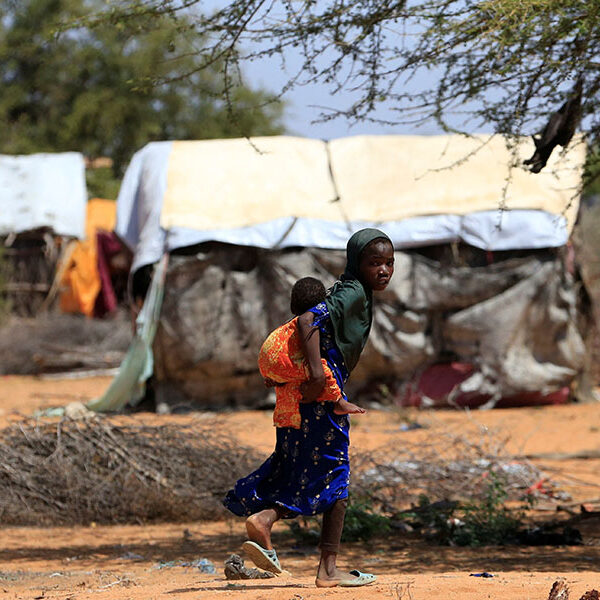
(480, 276)
(277, 192)
(43, 191)
(42, 206)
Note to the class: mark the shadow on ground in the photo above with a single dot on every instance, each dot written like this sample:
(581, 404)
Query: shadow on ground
(395, 553)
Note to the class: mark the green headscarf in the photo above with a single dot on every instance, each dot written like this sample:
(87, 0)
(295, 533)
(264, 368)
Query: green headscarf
(349, 303)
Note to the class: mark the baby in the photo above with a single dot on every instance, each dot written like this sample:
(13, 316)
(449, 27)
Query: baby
(282, 363)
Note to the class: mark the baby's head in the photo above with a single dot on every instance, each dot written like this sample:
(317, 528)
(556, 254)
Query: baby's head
(306, 293)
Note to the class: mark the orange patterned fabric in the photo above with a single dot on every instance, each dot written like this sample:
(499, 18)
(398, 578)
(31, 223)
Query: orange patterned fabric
(80, 279)
(282, 360)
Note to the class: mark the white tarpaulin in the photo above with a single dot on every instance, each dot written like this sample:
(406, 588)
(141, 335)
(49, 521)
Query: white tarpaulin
(389, 178)
(218, 184)
(43, 190)
(284, 191)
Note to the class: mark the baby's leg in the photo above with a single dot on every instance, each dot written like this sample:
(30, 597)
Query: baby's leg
(343, 407)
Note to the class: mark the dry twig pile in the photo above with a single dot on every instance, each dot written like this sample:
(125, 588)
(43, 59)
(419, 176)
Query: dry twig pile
(76, 472)
(62, 342)
(79, 471)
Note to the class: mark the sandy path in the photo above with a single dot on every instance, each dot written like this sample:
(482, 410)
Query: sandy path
(124, 562)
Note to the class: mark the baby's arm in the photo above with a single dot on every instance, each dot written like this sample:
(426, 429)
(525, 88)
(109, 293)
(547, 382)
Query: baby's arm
(310, 341)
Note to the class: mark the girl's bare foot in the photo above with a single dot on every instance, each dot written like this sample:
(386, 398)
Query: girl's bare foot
(328, 575)
(343, 407)
(259, 527)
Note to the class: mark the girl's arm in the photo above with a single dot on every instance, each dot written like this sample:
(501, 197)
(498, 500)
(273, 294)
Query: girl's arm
(310, 341)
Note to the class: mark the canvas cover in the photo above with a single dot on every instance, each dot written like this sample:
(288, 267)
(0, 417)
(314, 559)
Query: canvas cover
(515, 320)
(282, 191)
(43, 190)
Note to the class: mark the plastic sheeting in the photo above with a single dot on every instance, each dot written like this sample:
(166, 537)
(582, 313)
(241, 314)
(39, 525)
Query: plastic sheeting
(439, 385)
(129, 385)
(43, 190)
(515, 320)
(525, 339)
(220, 190)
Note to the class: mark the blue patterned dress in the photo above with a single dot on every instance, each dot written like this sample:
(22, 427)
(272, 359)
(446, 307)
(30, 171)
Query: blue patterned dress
(309, 469)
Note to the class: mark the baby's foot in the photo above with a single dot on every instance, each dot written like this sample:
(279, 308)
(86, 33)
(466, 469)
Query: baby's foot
(343, 407)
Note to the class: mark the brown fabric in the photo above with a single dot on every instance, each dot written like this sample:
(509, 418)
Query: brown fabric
(333, 525)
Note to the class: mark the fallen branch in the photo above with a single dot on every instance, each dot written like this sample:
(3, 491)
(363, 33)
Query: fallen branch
(581, 455)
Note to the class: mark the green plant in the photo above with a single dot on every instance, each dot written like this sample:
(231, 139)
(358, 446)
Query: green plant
(362, 523)
(488, 521)
(482, 522)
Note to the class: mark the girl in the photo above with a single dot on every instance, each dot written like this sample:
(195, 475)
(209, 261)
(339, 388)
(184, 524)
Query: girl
(308, 473)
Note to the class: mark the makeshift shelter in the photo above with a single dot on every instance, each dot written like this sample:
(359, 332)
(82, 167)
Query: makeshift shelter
(42, 206)
(480, 279)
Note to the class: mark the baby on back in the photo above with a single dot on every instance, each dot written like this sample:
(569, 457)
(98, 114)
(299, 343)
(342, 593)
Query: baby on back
(282, 363)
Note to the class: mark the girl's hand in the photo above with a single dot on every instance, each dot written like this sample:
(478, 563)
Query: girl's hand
(272, 383)
(312, 388)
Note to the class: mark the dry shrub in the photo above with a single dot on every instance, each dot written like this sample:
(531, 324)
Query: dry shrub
(441, 467)
(76, 472)
(26, 343)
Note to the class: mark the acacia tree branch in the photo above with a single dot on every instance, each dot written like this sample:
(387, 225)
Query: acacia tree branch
(507, 63)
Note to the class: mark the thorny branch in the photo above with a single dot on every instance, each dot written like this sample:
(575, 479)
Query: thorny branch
(506, 64)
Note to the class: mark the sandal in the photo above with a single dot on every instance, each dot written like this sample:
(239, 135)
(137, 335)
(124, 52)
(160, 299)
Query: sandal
(358, 580)
(262, 558)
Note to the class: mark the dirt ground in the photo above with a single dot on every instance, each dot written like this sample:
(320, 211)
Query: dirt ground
(145, 561)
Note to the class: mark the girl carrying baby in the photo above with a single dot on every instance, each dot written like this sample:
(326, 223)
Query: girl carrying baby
(308, 473)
